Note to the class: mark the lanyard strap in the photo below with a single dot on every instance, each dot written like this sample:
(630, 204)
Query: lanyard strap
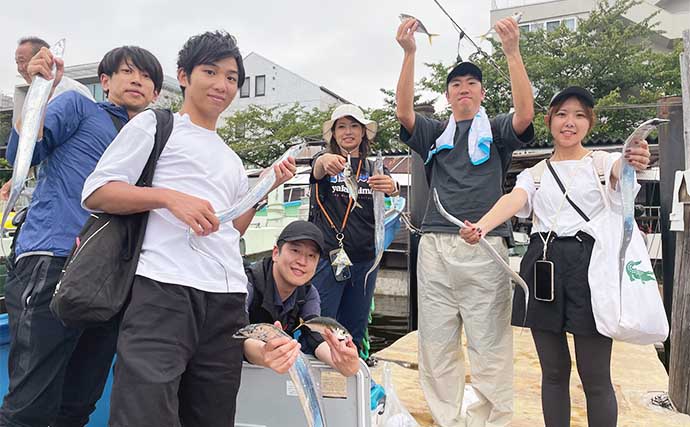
(347, 211)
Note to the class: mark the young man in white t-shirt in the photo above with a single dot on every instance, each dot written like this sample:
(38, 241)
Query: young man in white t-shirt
(177, 362)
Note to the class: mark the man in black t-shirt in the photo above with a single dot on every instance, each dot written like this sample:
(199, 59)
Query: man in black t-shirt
(458, 284)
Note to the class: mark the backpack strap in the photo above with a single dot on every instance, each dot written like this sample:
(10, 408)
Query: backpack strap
(116, 121)
(599, 160)
(164, 125)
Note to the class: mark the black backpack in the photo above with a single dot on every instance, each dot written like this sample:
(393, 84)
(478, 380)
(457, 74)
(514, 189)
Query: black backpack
(97, 278)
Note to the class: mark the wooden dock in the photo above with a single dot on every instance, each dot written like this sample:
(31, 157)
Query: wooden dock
(637, 375)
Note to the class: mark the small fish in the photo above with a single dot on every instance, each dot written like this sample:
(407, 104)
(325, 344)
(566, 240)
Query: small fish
(341, 261)
(420, 27)
(32, 116)
(488, 249)
(351, 183)
(300, 373)
(627, 183)
(379, 220)
(259, 191)
(517, 17)
(320, 324)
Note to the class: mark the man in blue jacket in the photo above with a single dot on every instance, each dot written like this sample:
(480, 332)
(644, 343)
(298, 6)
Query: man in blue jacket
(58, 373)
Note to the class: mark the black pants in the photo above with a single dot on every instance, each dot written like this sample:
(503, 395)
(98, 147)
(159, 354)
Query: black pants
(177, 362)
(57, 374)
(593, 357)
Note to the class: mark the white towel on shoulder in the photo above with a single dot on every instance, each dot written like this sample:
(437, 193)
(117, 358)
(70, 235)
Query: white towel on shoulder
(478, 141)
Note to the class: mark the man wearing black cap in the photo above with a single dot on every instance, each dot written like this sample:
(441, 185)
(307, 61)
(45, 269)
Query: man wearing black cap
(466, 158)
(280, 292)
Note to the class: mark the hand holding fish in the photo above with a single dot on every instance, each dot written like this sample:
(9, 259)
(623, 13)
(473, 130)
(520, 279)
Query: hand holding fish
(382, 183)
(284, 170)
(279, 354)
(509, 33)
(471, 234)
(405, 36)
(197, 213)
(638, 155)
(42, 64)
(332, 164)
(344, 355)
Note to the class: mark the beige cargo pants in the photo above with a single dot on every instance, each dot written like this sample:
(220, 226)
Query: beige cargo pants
(458, 284)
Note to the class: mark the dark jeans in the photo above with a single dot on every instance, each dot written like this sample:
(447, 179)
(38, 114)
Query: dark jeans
(57, 374)
(177, 363)
(349, 301)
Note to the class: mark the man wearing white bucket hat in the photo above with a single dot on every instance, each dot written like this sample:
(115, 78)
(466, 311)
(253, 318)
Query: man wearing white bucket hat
(342, 182)
(467, 158)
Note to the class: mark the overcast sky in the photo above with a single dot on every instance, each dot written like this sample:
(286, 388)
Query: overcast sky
(348, 47)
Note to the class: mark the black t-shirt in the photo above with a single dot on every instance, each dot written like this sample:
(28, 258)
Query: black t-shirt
(359, 230)
(466, 191)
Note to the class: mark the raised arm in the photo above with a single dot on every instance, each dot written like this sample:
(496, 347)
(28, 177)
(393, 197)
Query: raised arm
(520, 87)
(404, 93)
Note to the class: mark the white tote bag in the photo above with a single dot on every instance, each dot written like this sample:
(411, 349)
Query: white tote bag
(632, 311)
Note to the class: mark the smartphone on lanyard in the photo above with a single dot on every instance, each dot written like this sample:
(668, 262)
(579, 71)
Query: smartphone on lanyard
(543, 281)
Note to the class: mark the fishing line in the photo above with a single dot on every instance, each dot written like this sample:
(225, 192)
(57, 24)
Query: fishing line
(492, 62)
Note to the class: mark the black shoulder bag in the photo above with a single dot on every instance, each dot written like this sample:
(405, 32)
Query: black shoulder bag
(97, 278)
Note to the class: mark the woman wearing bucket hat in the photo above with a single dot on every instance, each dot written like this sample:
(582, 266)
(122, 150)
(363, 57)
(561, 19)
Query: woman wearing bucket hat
(346, 220)
(557, 261)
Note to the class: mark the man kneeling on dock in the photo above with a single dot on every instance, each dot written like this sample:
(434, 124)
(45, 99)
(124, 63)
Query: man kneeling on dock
(280, 291)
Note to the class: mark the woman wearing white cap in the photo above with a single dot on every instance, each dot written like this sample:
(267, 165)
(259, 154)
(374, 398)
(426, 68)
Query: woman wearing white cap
(346, 221)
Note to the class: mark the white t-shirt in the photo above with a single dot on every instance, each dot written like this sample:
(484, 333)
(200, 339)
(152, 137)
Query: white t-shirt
(197, 162)
(583, 190)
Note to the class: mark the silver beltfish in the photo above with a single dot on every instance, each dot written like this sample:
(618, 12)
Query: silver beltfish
(420, 27)
(351, 183)
(627, 184)
(259, 191)
(379, 220)
(32, 114)
(300, 373)
(489, 250)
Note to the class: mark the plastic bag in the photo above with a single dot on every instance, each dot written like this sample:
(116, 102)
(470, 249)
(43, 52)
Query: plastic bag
(395, 414)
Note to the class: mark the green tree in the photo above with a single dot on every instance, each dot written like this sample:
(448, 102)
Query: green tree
(610, 56)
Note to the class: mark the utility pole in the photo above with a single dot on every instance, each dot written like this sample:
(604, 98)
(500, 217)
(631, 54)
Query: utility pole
(679, 363)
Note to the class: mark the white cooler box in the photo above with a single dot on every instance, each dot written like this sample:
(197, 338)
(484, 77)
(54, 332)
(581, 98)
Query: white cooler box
(267, 399)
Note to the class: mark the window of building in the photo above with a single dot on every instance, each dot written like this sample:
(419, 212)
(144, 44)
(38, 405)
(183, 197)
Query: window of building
(536, 26)
(524, 28)
(244, 91)
(260, 86)
(97, 91)
(569, 23)
(552, 25)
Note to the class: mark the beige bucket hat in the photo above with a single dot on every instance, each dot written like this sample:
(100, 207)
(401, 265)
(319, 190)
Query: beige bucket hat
(354, 112)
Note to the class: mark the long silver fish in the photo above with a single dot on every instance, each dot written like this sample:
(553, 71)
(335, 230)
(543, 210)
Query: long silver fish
(259, 191)
(379, 220)
(351, 183)
(627, 183)
(489, 250)
(300, 373)
(517, 17)
(420, 27)
(32, 114)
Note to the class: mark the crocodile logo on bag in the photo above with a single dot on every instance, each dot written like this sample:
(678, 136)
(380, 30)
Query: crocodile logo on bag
(635, 274)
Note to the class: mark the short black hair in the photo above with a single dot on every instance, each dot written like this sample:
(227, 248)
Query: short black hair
(139, 57)
(208, 48)
(36, 43)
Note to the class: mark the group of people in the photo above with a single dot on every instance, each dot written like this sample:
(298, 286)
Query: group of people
(176, 361)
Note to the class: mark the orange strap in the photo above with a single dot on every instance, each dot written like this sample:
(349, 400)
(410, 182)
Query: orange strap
(349, 205)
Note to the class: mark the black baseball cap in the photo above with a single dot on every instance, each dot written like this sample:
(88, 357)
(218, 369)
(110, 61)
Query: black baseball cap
(464, 69)
(302, 230)
(581, 93)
